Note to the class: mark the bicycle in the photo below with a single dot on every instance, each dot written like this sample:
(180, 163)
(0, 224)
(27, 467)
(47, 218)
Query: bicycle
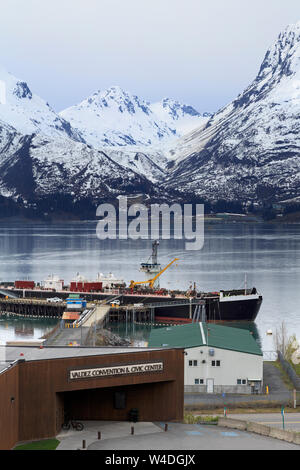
(75, 425)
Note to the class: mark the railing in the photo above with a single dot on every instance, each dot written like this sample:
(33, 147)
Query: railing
(84, 317)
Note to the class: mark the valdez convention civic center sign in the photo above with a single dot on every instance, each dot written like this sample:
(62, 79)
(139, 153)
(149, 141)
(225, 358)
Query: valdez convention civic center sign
(116, 370)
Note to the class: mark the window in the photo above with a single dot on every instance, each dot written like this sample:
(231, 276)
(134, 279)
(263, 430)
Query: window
(216, 363)
(241, 382)
(193, 363)
(199, 381)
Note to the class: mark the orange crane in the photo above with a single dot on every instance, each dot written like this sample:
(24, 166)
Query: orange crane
(151, 281)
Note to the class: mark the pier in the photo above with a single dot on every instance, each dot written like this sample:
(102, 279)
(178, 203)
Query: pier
(31, 307)
(131, 313)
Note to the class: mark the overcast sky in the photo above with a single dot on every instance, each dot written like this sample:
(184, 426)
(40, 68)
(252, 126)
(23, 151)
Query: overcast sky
(202, 53)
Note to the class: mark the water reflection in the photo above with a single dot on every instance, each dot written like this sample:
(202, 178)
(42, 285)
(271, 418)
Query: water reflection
(15, 327)
(268, 253)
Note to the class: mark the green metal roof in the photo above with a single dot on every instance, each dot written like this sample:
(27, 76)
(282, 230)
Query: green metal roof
(202, 334)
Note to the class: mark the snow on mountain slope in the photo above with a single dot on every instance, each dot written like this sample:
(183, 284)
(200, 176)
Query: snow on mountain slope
(250, 149)
(133, 132)
(27, 112)
(183, 118)
(115, 118)
(36, 166)
(150, 164)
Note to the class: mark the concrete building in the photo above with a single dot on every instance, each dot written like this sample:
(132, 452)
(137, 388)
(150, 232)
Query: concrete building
(218, 359)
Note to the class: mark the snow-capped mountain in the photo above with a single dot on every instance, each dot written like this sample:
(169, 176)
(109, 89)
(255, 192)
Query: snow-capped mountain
(27, 112)
(250, 150)
(116, 143)
(133, 132)
(117, 118)
(35, 167)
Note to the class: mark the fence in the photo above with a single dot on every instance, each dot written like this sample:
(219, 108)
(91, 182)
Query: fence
(290, 371)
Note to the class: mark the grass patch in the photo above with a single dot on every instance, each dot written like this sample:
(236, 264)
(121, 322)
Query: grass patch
(233, 410)
(297, 369)
(263, 405)
(237, 408)
(47, 444)
(192, 419)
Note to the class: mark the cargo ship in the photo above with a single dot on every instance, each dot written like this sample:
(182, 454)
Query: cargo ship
(167, 306)
(232, 305)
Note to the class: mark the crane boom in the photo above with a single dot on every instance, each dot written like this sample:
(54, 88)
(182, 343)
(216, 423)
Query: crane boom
(152, 281)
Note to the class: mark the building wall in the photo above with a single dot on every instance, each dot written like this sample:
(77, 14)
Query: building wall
(9, 407)
(44, 388)
(234, 365)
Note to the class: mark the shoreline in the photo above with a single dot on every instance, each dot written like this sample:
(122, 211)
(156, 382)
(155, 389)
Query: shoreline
(217, 219)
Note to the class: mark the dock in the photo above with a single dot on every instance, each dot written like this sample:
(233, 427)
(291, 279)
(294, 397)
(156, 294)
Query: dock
(35, 308)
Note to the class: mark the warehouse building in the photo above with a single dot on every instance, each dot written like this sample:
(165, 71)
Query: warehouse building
(38, 386)
(218, 359)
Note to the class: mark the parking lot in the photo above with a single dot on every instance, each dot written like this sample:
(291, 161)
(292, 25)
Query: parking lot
(151, 436)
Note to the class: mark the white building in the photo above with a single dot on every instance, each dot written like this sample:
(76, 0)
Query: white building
(109, 281)
(218, 359)
(53, 282)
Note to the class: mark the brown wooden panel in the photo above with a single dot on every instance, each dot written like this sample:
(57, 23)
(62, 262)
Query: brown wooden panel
(159, 395)
(9, 408)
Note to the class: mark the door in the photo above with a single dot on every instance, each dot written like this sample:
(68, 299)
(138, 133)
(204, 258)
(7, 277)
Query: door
(59, 411)
(210, 385)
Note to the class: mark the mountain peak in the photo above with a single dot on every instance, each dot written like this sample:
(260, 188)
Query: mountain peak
(27, 112)
(13, 88)
(284, 55)
(250, 149)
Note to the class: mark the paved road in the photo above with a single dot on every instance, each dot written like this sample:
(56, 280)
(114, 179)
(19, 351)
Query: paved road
(151, 436)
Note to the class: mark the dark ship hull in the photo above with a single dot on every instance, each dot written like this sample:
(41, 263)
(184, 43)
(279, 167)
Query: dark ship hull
(224, 307)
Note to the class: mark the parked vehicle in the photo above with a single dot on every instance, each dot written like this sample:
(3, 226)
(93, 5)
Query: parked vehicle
(54, 299)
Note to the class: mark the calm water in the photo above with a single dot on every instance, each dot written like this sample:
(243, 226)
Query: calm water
(269, 254)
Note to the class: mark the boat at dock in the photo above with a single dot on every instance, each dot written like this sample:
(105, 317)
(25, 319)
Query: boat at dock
(165, 306)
